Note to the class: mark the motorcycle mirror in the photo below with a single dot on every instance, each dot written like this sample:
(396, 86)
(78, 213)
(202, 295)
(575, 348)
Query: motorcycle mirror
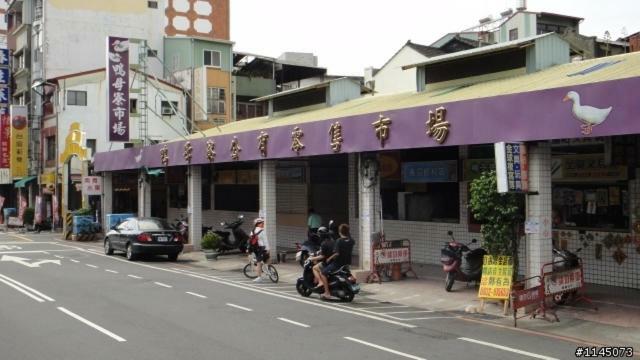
(449, 232)
(474, 241)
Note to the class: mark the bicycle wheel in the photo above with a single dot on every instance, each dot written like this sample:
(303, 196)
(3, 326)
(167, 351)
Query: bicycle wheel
(273, 273)
(249, 271)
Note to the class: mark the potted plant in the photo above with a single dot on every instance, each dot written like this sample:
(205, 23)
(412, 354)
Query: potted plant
(210, 242)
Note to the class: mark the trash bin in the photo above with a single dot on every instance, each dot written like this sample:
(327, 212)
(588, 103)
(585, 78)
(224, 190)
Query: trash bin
(396, 272)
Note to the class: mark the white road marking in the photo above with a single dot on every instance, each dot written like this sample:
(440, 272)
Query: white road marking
(22, 291)
(10, 247)
(505, 348)
(111, 271)
(59, 257)
(386, 307)
(197, 295)
(38, 293)
(294, 322)
(239, 307)
(163, 285)
(432, 318)
(367, 302)
(25, 261)
(214, 279)
(21, 237)
(384, 348)
(408, 312)
(93, 325)
(135, 277)
(91, 266)
(75, 261)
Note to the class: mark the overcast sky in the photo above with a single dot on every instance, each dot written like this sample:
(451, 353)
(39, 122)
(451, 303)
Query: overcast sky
(349, 35)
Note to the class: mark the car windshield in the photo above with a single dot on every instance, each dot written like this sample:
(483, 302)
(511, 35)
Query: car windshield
(153, 224)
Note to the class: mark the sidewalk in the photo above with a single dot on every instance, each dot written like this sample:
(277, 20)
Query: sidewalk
(617, 321)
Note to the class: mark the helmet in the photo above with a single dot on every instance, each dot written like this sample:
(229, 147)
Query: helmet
(258, 221)
(323, 230)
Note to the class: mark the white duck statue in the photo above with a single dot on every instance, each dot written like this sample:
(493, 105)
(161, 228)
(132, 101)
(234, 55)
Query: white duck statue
(590, 116)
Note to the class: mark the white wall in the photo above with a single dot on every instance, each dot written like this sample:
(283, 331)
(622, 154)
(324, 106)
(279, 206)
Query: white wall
(392, 79)
(93, 117)
(76, 39)
(524, 22)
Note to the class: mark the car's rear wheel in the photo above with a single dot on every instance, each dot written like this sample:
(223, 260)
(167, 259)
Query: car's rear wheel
(173, 257)
(130, 255)
(107, 247)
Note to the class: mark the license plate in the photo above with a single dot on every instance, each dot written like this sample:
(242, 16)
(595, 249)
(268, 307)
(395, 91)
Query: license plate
(162, 238)
(355, 287)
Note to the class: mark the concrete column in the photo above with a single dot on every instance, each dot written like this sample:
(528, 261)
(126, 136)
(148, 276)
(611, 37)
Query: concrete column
(107, 199)
(369, 207)
(268, 202)
(194, 207)
(539, 246)
(144, 195)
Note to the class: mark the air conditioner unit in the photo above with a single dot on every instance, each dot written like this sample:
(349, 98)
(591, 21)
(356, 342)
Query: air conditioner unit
(167, 111)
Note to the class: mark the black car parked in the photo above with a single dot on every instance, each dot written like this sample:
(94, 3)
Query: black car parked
(141, 236)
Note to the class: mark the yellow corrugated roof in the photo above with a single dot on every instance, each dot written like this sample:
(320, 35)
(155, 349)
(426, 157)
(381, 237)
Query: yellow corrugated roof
(627, 66)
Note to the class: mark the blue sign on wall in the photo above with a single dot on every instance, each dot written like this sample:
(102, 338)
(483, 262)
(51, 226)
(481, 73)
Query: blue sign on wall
(4, 57)
(4, 76)
(430, 171)
(4, 95)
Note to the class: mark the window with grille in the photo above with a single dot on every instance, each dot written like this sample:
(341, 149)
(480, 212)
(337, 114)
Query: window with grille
(78, 98)
(215, 100)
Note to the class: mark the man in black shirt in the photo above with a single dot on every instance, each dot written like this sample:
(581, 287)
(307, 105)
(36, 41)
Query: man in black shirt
(341, 256)
(326, 252)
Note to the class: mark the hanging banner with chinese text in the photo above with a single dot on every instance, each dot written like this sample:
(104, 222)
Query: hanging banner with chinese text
(497, 272)
(5, 149)
(118, 89)
(19, 141)
(512, 167)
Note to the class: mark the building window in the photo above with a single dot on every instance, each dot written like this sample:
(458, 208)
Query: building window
(215, 100)
(249, 110)
(128, 145)
(133, 106)
(50, 143)
(212, 58)
(421, 185)
(152, 4)
(167, 109)
(152, 53)
(91, 144)
(513, 34)
(77, 98)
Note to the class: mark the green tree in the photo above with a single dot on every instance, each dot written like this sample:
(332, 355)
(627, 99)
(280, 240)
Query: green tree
(499, 215)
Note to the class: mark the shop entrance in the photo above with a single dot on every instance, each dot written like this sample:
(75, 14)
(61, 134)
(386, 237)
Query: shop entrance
(328, 191)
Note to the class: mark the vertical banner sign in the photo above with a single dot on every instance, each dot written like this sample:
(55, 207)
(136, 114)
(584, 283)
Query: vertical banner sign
(118, 90)
(5, 149)
(512, 167)
(497, 272)
(19, 141)
(54, 205)
(23, 206)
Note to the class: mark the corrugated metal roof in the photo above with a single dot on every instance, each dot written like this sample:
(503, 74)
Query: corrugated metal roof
(479, 50)
(627, 66)
(305, 88)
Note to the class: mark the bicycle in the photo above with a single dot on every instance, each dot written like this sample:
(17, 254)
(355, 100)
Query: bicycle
(250, 269)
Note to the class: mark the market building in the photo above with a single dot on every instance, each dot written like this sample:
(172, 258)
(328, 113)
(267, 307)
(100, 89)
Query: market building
(402, 163)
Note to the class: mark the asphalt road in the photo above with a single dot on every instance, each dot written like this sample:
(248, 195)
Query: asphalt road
(65, 300)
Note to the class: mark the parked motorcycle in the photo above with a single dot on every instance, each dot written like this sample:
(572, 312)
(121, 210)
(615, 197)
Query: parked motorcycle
(565, 260)
(342, 284)
(460, 266)
(236, 238)
(182, 225)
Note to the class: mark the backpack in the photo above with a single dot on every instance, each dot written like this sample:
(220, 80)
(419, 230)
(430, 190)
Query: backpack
(253, 240)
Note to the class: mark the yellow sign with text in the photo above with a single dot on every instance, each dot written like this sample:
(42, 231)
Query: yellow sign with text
(19, 142)
(497, 273)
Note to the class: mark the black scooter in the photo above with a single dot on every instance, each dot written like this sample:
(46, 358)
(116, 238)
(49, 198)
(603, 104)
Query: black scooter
(565, 260)
(240, 237)
(459, 266)
(341, 283)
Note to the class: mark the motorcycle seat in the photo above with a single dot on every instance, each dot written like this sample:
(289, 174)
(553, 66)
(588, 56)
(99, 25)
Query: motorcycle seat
(344, 268)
